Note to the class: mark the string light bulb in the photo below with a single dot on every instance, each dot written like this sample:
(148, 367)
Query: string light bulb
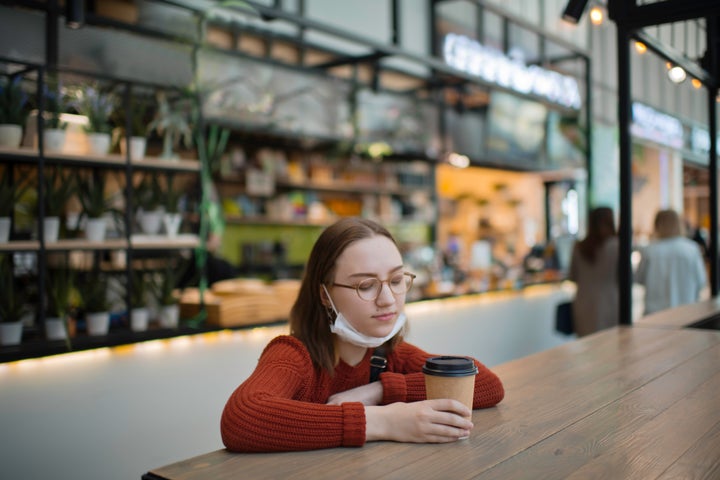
(676, 74)
(696, 83)
(640, 47)
(596, 15)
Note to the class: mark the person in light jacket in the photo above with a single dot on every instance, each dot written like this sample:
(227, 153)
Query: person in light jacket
(671, 268)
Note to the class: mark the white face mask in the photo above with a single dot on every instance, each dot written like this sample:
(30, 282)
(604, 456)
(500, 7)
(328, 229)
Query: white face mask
(348, 333)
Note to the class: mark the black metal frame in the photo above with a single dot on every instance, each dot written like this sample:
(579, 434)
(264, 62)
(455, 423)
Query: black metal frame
(630, 18)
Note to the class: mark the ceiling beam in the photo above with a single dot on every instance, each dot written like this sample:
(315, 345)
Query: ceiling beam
(633, 16)
(351, 60)
(675, 57)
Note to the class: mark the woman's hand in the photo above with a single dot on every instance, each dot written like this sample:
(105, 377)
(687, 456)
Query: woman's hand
(370, 394)
(428, 421)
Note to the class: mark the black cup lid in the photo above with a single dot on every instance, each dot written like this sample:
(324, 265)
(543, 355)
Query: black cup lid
(450, 366)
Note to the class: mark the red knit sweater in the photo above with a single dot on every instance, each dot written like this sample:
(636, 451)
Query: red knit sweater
(281, 406)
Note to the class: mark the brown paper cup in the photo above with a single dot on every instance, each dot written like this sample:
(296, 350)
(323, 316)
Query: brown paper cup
(450, 377)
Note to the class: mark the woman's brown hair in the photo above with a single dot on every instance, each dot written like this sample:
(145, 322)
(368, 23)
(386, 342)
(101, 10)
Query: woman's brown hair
(601, 226)
(309, 320)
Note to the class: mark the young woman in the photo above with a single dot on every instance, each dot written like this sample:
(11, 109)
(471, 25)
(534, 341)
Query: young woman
(594, 269)
(311, 389)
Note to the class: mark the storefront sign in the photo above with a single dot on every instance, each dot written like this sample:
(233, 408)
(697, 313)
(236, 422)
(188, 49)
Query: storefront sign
(700, 141)
(510, 71)
(658, 127)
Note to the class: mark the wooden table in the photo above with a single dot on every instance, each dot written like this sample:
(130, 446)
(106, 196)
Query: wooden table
(626, 403)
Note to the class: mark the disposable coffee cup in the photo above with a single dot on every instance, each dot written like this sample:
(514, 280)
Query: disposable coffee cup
(450, 377)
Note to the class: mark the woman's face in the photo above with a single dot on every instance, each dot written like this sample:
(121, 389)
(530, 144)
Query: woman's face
(375, 257)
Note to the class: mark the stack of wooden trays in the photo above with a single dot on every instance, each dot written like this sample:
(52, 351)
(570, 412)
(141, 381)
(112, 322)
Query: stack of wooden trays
(242, 301)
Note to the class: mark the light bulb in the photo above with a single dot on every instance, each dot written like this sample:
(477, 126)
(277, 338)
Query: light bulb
(677, 74)
(596, 15)
(640, 47)
(696, 83)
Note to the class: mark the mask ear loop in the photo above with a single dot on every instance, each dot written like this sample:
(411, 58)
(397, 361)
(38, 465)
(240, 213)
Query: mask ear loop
(332, 304)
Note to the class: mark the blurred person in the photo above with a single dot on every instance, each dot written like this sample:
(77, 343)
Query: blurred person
(671, 267)
(594, 269)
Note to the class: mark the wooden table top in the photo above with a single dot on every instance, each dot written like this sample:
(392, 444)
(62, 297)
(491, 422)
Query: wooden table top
(629, 402)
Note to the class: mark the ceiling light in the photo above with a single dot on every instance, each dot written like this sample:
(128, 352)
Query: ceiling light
(596, 15)
(75, 13)
(640, 47)
(574, 10)
(677, 74)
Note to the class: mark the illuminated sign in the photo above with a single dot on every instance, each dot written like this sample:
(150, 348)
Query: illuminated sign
(510, 71)
(656, 126)
(700, 140)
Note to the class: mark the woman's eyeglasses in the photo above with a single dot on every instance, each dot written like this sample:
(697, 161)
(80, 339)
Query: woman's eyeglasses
(370, 288)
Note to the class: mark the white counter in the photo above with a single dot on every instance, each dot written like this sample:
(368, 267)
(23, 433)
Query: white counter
(493, 327)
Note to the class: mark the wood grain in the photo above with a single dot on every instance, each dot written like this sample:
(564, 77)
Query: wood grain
(628, 402)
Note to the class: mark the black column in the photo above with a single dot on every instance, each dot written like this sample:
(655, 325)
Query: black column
(624, 119)
(713, 181)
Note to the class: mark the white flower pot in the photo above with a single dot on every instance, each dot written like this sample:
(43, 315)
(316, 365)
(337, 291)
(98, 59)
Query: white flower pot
(98, 143)
(51, 229)
(95, 229)
(151, 222)
(138, 146)
(53, 140)
(55, 329)
(10, 135)
(4, 229)
(98, 323)
(139, 319)
(169, 316)
(172, 222)
(11, 333)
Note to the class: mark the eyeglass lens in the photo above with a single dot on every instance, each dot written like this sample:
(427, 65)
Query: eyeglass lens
(369, 289)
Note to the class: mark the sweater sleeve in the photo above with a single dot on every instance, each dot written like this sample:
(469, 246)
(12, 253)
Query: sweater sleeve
(275, 408)
(405, 382)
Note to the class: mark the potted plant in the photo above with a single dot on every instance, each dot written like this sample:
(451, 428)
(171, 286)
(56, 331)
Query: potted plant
(165, 283)
(139, 312)
(97, 106)
(13, 111)
(60, 285)
(134, 117)
(58, 188)
(96, 304)
(171, 123)
(149, 195)
(95, 203)
(56, 104)
(10, 193)
(172, 218)
(13, 304)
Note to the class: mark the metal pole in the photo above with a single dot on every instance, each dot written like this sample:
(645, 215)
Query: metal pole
(624, 117)
(713, 180)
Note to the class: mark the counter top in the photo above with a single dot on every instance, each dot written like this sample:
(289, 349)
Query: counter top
(628, 402)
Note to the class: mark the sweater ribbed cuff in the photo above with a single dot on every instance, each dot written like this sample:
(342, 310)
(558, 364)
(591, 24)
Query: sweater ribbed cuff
(353, 424)
(394, 388)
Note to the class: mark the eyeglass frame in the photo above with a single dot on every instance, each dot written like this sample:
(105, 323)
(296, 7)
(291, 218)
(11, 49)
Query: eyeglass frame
(356, 287)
